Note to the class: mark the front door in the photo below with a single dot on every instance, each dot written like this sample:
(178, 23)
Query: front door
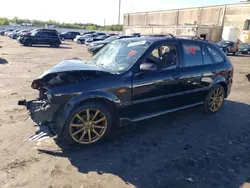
(155, 91)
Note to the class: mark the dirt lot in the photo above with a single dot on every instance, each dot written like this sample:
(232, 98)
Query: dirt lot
(181, 150)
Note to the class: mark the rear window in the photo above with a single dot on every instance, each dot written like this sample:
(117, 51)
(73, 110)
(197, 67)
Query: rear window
(216, 56)
(192, 55)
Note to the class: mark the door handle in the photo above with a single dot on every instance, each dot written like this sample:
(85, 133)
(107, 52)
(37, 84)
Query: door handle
(213, 71)
(176, 76)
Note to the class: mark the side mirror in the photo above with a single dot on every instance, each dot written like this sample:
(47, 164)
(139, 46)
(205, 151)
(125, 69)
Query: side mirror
(148, 67)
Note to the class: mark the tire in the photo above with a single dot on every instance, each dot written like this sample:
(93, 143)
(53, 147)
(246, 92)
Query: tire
(226, 51)
(28, 43)
(236, 53)
(98, 131)
(78, 42)
(63, 38)
(56, 44)
(208, 106)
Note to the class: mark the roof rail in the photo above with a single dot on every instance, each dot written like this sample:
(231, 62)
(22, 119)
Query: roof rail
(162, 35)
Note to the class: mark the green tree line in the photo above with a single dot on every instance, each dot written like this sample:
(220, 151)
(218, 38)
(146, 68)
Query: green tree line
(40, 23)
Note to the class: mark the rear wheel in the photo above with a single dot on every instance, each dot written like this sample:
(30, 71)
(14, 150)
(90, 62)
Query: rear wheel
(88, 124)
(214, 99)
(62, 38)
(56, 44)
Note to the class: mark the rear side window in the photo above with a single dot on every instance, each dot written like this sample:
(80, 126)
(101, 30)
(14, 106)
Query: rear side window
(217, 57)
(192, 55)
(206, 57)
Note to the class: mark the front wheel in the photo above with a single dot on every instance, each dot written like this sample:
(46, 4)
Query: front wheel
(236, 53)
(88, 124)
(28, 43)
(62, 38)
(214, 99)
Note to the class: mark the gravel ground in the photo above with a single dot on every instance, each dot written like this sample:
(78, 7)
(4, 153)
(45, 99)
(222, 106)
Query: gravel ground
(181, 150)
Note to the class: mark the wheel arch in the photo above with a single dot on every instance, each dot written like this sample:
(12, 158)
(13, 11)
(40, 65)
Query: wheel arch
(108, 100)
(224, 85)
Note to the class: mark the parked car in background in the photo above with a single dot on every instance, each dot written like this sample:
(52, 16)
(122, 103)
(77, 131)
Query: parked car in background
(244, 48)
(48, 37)
(13, 34)
(68, 35)
(9, 31)
(5, 31)
(94, 47)
(229, 47)
(97, 38)
(81, 39)
(129, 80)
(23, 32)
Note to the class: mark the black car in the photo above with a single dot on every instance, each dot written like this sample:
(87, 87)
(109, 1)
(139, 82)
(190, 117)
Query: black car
(94, 47)
(48, 37)
(244, 48)
(69, 35)
(130, 80)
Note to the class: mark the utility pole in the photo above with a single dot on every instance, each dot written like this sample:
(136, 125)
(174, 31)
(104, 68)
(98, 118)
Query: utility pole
(104, 23)
(119, 15)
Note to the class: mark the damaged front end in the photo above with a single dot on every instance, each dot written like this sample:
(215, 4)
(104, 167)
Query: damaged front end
(57, 87)
(41, 111)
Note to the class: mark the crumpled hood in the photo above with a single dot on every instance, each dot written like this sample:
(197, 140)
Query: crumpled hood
(73, 65)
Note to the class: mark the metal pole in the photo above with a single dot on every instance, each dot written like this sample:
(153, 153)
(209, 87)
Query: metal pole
(119, 12)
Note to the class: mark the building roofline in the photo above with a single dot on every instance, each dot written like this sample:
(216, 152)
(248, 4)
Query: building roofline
(144, 12)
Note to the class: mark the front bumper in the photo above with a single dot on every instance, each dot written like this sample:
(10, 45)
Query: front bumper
(41, 112)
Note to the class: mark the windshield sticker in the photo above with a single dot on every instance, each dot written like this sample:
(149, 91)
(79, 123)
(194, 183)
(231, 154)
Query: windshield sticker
(132, 52)
(190, 49)
(137, 43)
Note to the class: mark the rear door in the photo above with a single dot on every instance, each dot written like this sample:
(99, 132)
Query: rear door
(191, 73)
(43, 38)
(213, 65)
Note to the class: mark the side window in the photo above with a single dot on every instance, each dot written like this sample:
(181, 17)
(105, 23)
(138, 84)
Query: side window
(164, 56)
(217, 57)
(155, 53)
(42, 34)
(192, 55)
(207, 60)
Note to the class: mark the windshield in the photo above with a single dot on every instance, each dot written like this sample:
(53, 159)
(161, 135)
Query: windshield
(33, 33)
(120, 55)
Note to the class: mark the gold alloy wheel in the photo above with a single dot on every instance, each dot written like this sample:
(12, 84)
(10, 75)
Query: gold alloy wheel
(216, 99)
(88, 126)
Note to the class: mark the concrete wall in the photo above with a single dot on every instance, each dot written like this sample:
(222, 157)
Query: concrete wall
(173, 21)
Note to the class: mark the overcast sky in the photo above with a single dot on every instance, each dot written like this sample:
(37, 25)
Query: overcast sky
(91, 11)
